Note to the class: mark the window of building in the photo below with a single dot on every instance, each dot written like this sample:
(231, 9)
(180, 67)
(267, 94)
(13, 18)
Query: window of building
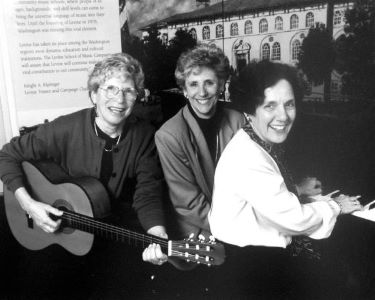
(206, 33)
(219, 31)
(164, 38)
(266, 51)
(263, 26)
(279, 23)
(294, 22)
(337, 18)
(248, 27)
(242, 54)
(276, 52)
(309, 19)
(296, 47)
(308, 88)
(193, 33)
(233, 29)
(335, 88)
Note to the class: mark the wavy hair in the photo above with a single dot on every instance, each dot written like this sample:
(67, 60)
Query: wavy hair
(202, 55)
(119, 63)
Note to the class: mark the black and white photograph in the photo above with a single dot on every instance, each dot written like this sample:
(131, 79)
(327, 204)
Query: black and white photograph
(187, 149)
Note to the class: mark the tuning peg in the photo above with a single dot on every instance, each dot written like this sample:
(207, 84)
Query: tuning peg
(212, 239)
(201, 237)
(191, 236)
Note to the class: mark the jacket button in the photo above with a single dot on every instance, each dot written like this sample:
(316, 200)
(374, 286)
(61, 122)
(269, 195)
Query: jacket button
(114, 174)
(115, 150)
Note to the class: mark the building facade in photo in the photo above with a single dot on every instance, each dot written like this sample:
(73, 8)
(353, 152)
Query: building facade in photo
(257, 29)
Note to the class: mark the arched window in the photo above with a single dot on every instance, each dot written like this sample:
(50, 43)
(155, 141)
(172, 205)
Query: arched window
(337, 18)
(279, 23)
(276, 52)
(219, 31)
(242, 54)
(296, 47)
(193, 33)
(266, 51)
(294, 22)
(233, 29)
(309, 19)
(206, 33)
(248, 27)
(263, 26)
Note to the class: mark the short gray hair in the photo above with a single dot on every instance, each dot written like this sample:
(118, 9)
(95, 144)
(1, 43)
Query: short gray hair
(203, 55)
(121, 63)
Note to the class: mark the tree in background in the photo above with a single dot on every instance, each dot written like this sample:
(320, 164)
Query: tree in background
(181, 42)
(158, 59)
(356, 51)
(316, 58)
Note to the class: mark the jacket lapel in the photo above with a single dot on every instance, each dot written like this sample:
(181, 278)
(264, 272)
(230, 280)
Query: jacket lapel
(225, 133)
(203, 167)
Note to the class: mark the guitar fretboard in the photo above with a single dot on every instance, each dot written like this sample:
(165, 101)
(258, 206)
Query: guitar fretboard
(108, 231)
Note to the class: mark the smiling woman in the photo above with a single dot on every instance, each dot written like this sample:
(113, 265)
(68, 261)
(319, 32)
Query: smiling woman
(256, 207)
(190, 143)
(106, 142)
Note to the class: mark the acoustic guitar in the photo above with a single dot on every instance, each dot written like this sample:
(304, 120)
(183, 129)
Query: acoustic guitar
(83, 201)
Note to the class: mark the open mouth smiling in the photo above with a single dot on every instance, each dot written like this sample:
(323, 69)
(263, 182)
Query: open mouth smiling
(116, 109)
(279, 128)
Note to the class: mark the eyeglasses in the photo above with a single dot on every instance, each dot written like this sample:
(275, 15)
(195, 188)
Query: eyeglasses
(112, 91)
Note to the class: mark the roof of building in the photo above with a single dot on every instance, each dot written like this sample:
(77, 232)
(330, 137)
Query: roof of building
(230, 7)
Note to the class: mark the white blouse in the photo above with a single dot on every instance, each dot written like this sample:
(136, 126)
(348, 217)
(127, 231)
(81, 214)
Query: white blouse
(252, 206)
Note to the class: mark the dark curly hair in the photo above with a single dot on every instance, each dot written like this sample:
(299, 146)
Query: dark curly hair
(247, 89)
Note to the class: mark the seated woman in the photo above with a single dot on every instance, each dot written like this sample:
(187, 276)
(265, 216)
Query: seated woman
(255, 202)
(191, 142)
(106, 142)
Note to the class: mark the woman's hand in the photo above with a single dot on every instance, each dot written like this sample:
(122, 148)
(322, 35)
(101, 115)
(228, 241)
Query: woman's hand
(38, 211)
(348, 204)
(309, 186)
(153, 253)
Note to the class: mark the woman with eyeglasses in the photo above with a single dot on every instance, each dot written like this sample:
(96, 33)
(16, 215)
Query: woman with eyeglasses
(106, 142)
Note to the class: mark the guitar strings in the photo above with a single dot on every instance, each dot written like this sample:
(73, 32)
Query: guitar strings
(88, 221)
(99, 225)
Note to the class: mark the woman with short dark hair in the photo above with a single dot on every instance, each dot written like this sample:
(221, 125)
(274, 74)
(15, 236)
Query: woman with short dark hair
(255, 207)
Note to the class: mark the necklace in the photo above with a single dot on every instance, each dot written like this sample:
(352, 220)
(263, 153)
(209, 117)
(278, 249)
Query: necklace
(118, 139)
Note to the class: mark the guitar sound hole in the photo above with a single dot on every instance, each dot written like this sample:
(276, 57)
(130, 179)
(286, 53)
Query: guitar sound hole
(65, 206)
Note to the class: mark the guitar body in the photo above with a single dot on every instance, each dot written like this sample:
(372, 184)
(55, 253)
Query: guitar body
(84, 201)
(84, 196)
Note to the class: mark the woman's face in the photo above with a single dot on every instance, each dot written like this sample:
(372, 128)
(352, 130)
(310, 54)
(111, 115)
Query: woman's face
(274, 118)
(202, 88)
(115, 100)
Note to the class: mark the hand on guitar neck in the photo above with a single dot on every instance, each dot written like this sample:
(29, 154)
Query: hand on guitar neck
(38, 211)
(76, 206)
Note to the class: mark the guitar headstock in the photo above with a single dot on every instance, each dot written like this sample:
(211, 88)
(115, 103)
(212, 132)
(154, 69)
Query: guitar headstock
(201, 250)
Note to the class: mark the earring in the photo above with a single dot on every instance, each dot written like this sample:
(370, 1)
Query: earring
(222, 95)
(95, 108)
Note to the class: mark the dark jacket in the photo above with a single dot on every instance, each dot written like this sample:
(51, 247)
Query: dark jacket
(71, 142)
(189, 168)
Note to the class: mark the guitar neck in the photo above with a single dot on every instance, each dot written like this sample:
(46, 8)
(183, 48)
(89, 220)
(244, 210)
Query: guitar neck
(111, 232)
